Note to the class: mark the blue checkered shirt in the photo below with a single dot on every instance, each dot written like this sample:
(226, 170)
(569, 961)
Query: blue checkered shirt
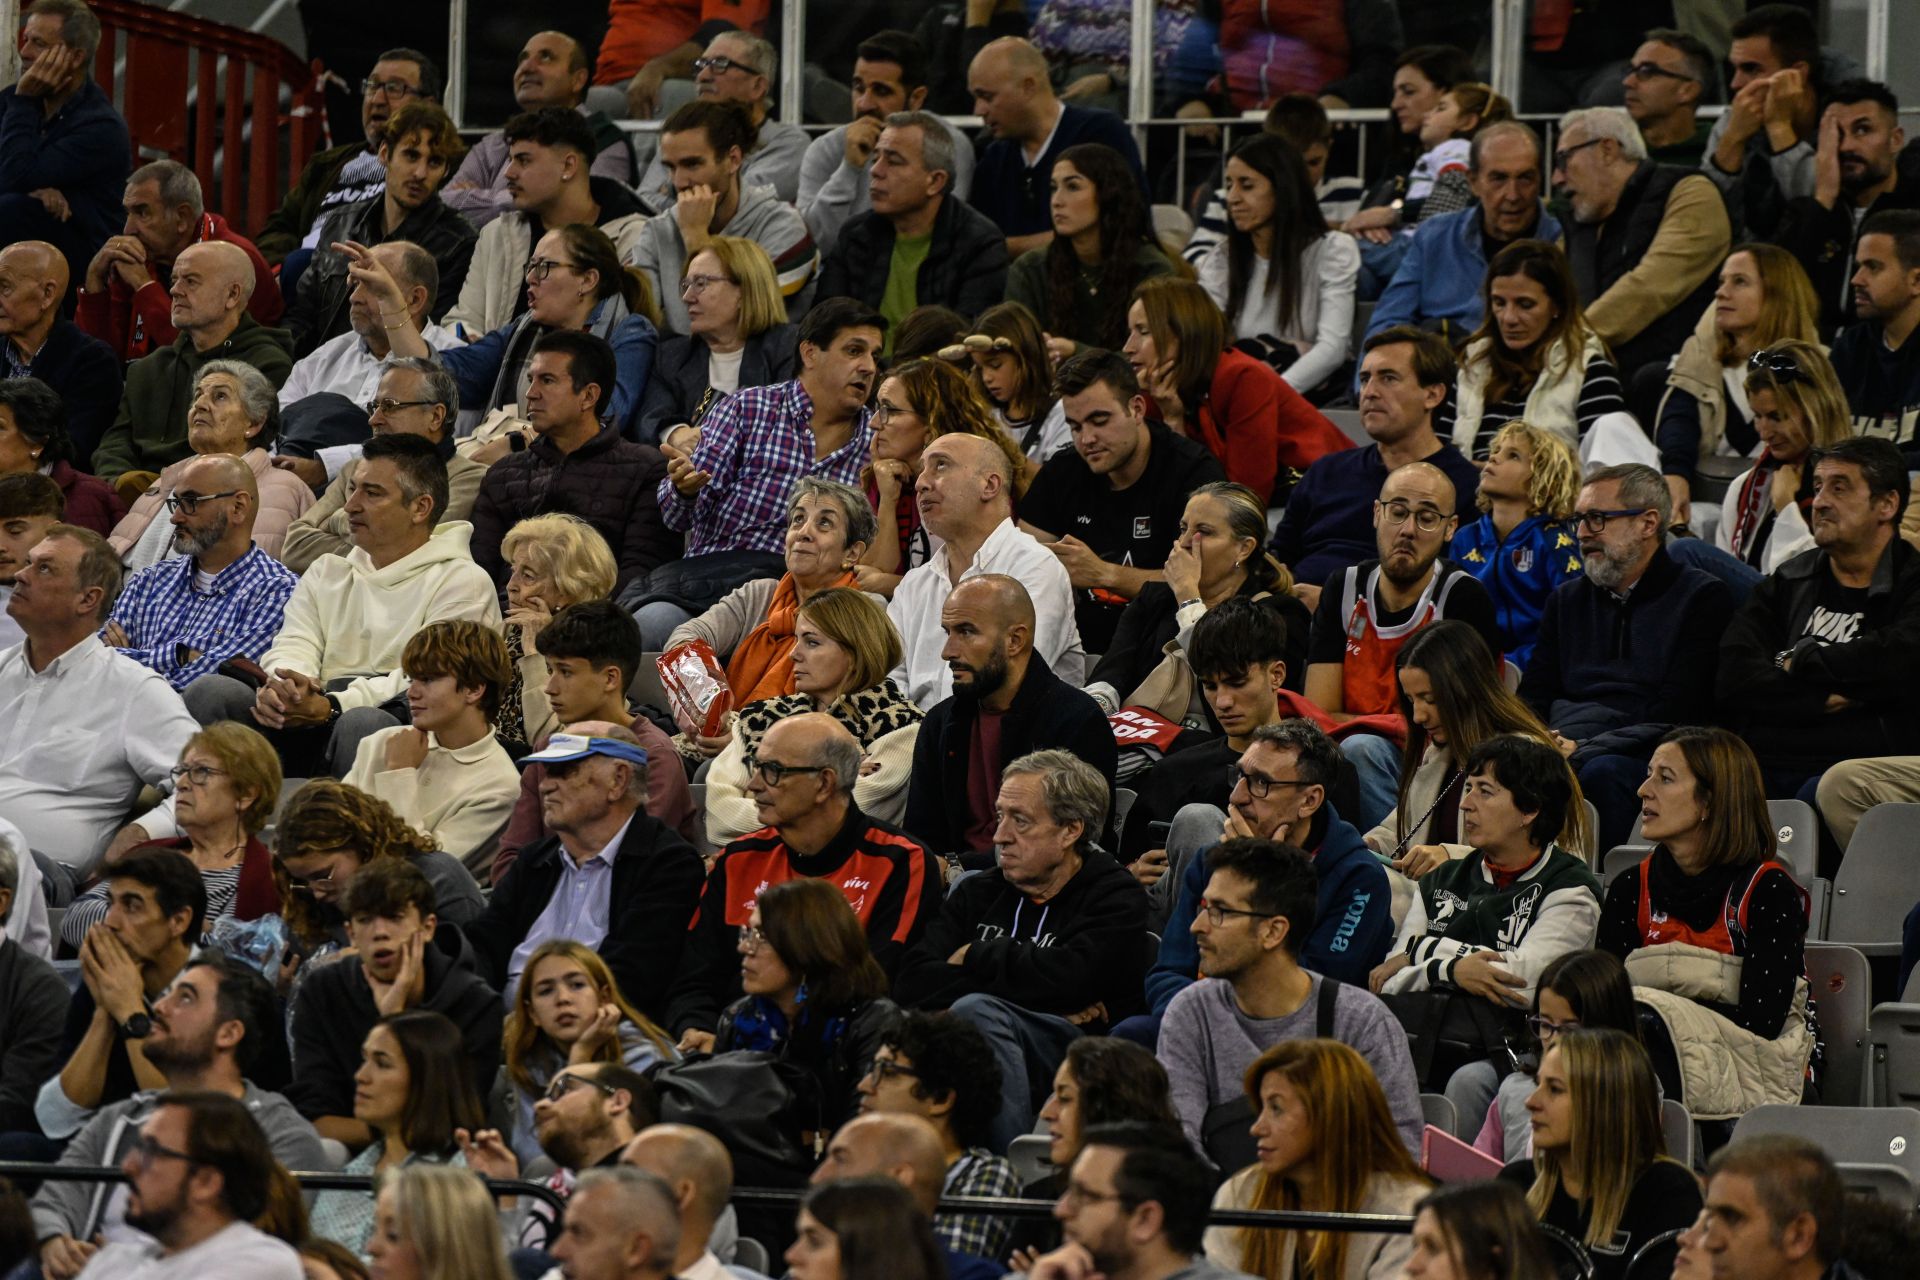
(236, 617)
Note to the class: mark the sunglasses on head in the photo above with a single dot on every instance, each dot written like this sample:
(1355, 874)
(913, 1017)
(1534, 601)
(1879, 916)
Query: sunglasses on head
(1777, 363)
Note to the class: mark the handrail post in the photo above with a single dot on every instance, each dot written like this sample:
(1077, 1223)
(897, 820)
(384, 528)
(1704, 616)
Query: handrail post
(1509, 44)
(454, 99)
(1140, 71)
(793, 36)
(1879, 36)
(10, 56)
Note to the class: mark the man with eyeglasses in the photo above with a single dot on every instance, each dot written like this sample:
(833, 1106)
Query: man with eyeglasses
(206, 1034)
(1645, 242)
(218, 596)
(1135, 1208)
(1628, 649)
(801, 783)
(1671, 75)
(352, 171)
(741, 68)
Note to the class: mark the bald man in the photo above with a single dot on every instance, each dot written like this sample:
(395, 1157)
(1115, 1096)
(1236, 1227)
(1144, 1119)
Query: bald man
(907, 1149)
(1006, 702)
(212, 283)
(39, 344)
(802, 790)
(965, 492)
(184, 625)
(1030, 127)
(699, 1173)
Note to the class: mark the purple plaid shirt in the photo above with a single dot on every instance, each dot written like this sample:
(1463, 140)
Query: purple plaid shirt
(238, 617)
(755, 444)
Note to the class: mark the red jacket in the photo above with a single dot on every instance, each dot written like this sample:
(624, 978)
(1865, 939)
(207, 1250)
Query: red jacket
(1255, 424)
(136, 322)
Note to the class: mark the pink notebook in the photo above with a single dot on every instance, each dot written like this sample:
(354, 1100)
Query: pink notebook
(1450, 1160)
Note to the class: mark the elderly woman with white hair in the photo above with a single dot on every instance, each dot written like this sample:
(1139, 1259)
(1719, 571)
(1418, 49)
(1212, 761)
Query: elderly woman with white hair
(235, 412)
(554, 560)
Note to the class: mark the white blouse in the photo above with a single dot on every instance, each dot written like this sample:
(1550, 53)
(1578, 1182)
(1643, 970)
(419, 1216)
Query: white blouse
(1325, 323)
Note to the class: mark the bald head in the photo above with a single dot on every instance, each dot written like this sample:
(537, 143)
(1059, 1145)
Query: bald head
(1012, 54)
(33, 280)
(819, 740)
(212, 282)
(905, 1148)
(1011, 90)
(223, 261)
(220, 473)
(965, 488)
(1414, 521)
(695, 1165)
(998, 597)
(35, 260)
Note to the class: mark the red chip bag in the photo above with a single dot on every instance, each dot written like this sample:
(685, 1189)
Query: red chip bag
(696, 686)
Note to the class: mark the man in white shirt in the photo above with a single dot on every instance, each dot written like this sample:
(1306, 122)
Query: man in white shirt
(199, 1174)
(700, 1173)
(965, 493)
(82, 728)
(622, 1224)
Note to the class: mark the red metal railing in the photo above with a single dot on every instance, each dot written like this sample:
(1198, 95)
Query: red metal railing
(200, 92)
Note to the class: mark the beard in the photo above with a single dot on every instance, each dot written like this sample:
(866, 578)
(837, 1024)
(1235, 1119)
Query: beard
(988, 678)
(159, 1220)
(196, 543)
(173, 1053)
(1606, 568)
(1854, 181)
(1403, 568)
(571, 1150)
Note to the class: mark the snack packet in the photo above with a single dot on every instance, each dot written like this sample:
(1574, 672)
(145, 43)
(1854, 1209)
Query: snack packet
(696, 686)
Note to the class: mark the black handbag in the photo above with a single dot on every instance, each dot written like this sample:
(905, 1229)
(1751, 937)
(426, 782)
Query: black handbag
(1448, 1029)
(764, 1110)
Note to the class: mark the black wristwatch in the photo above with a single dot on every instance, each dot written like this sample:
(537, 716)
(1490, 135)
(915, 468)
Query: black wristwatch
(138, 1027)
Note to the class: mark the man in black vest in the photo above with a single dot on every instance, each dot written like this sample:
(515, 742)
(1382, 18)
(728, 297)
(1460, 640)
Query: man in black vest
(1645, 242)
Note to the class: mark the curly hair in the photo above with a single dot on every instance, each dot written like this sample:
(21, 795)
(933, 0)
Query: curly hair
(523, 1036)
(1554, 486)
(954, 1061)
(950, 403)
(1123, 226)
(325, 815)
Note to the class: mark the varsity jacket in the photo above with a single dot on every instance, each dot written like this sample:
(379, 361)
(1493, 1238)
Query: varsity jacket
(1519, 572)
(888, 877)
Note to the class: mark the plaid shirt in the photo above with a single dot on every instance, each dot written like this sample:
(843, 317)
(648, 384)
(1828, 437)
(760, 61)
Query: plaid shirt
(237, 617)
(755, 444)
(978, 1173)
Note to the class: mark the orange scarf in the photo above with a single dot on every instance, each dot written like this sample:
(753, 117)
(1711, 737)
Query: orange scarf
(762, 667)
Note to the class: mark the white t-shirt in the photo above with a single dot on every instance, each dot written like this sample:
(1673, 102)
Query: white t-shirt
(723, 371)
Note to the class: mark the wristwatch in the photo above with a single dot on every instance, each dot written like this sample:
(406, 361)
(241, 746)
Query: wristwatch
(138, 1027)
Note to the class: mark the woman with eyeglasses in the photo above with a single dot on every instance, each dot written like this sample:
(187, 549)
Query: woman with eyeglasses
(1599, 1170)
(920, 401)
(1713, 927)
(569, 1011)
(1327, 1143)
(1006, 355)
(36, 439)
(225, 788)
(1764, 298)
(1798, 409)
(1534, 356)
(415, 1091)
(1078, 285)
(815, 995)
(1476, 1231)
(737, 336)
(844, 644)
(554, 561)
(575, 280)
(1524, 545)
(863, 1229)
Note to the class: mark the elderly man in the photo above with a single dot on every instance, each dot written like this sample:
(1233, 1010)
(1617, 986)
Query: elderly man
(219, 596)
(1044, 947)
(740, 68)
(547, 184)
(890, 75)
(965, 493)
(802, 790)
(1773, 1211)
(1646, 242)
(63, 148)
(1671, 75)
(907, 1149)
(1006, 702)
(609, 876)
(552, 73)
(622, 1224)
(124, 300)
(211, 285)
(416, 397)
(1013, 94)
(82, 728)
(39, 344)
(919, 245)
(699, 1172)
(1437, 285)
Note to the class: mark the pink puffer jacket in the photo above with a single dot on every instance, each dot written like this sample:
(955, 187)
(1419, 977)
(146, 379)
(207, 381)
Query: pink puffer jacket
(283, 498)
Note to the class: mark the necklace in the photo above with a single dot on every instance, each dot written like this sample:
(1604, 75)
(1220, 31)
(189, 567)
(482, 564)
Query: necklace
(1399, 850)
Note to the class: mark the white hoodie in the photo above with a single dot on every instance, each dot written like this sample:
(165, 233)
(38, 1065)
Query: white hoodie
(348, 619)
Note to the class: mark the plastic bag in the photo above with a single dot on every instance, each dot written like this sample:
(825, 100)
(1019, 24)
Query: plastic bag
(696, 686)
(262, 943)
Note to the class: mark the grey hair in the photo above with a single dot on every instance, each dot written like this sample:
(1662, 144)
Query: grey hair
(765, 58)
(79, 26)
(936, 144)
(441, 388)
(1317, 756)
(256, 393)
(843, 756)
(1074, 790)
(415, 268)
(861, 525)
(1641, 488)
(9, 864)
(178, 185)
(651, 1206)
(1492, 131)
(636, 772)
(1608, 122)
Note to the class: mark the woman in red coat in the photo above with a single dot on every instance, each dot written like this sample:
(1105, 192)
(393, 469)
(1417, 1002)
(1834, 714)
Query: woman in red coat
(33, 437)
(1234, 404)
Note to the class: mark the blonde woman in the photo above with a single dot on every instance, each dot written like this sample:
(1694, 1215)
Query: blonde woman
(1327, 1144)
(737, 336)
(1524, 544)
(554, 561)
(1599, 1170)
(436, 1222)
(1798, 409)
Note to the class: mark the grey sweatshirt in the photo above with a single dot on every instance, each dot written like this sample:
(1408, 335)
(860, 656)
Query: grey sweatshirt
(777, 227)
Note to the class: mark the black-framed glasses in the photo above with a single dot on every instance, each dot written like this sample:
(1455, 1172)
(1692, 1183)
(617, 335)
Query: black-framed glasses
(394, 89)
(541, 268)
(1425, 519)
(1217, 915)
(885, 1069)
(1078, 1193)
(1597, 521)
(1654, 71)
(751, 938)
(190, 502)
(146, 1150)
(1779, 365)
(721, 65)
(1560, 156)
(1545, 1028)
(773, 773)
(387, 406)
(1259, 786)
(199, 773)
(566, 1083)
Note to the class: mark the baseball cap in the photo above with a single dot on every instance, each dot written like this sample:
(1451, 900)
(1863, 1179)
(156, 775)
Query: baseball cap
(562, 748)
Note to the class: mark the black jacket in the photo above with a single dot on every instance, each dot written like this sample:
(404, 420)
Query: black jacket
(1046, 712)
(677, 388)
(1151, 619)
(320, 310)
(86, 374)
(839, 1065)
(1783, 714)
(965, 267)
(33, 1010)
(656, 884)
(1823, 239)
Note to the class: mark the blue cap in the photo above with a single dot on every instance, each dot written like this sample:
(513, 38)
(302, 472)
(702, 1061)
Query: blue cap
(563, 748)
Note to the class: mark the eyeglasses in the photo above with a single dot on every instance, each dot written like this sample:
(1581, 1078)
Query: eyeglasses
(199, 773)
(1217, 915)
(392, 88)
(567, 1083)
(190, 502)
(541, 268)
(751, 938)
(1779, 364)
(1560, 157)
(145, 1151)
(1597, 521)
(1425, 519)
(885, 1069)
(387, 406)
(1545, 1028)
(1259, 786)
(883, 413)
(975, 344)
(1078, 1194)
(700, 284)
(1654, 71)
(311, 886)
(773, 773)
(720, 66)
